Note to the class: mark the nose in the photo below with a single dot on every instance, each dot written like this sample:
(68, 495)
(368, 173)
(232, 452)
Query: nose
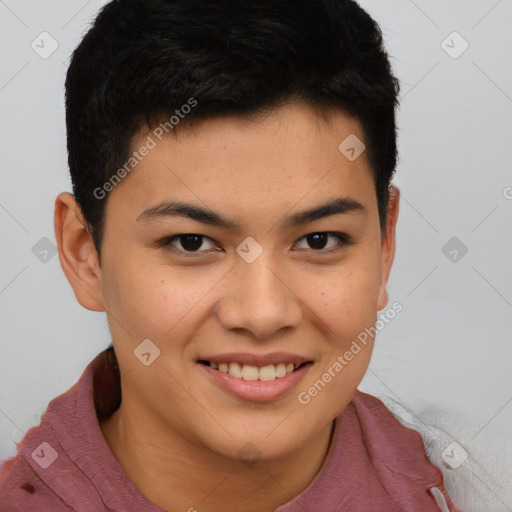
(259, 298)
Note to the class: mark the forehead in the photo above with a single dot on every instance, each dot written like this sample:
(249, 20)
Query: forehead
(254, 165)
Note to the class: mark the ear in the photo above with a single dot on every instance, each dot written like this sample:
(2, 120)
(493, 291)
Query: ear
(388, 245)
(77, 254)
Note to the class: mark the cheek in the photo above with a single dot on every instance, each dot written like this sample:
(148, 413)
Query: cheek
(153, 301)
(346, 307)
(136, 296)
(345, 302)
(344, 296)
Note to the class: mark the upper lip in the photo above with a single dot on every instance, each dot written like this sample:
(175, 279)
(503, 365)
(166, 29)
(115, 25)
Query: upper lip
(255, 359)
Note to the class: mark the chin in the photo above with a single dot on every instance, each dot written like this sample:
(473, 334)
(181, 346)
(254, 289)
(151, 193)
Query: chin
(263, 445)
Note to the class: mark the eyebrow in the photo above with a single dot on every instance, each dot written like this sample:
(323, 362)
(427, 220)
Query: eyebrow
(169, 209)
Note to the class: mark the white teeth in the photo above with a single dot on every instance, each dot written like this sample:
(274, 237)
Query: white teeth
(280, 370)
(269, 373)
(235, 370)
(250, 372)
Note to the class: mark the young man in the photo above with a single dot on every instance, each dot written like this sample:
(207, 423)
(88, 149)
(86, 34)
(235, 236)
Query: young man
(233, 215)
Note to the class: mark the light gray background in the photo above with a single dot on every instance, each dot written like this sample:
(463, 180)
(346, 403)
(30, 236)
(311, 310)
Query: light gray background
(448, 351)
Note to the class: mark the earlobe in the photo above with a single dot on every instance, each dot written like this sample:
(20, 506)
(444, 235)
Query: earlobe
(388, 245)
(383, 297)
(77, 254)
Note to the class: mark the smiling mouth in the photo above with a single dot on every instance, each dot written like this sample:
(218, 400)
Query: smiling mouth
(249, 372)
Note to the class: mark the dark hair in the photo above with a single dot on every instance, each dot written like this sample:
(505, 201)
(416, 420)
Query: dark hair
(144, 59)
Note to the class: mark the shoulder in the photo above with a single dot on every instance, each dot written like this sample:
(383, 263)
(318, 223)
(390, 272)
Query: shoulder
(390, 441)
(383, 424)
(449, 445)
(46, 473)
(21, 485)
(386, 462)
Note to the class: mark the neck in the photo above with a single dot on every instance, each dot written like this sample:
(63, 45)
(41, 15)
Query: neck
(177, 474)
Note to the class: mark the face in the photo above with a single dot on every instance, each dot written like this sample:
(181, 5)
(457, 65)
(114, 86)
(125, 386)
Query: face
(253, 282)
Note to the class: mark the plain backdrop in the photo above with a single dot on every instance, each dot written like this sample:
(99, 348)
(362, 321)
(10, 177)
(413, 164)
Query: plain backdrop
(449, 350)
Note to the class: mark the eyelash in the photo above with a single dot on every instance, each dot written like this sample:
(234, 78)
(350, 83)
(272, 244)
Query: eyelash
(343, 238)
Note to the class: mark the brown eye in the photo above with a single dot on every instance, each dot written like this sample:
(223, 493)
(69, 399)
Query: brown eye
(186, 243)
(319, 240)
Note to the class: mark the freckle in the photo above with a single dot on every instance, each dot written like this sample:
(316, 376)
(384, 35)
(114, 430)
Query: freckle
(162, 281)
(323, 293)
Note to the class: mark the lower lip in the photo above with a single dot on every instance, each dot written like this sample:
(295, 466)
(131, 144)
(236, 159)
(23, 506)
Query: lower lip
(256, 390)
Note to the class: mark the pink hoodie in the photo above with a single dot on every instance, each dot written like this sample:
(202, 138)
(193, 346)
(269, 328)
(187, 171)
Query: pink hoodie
(65, 464)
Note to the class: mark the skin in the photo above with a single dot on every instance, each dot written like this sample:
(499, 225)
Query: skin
(291, 298)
